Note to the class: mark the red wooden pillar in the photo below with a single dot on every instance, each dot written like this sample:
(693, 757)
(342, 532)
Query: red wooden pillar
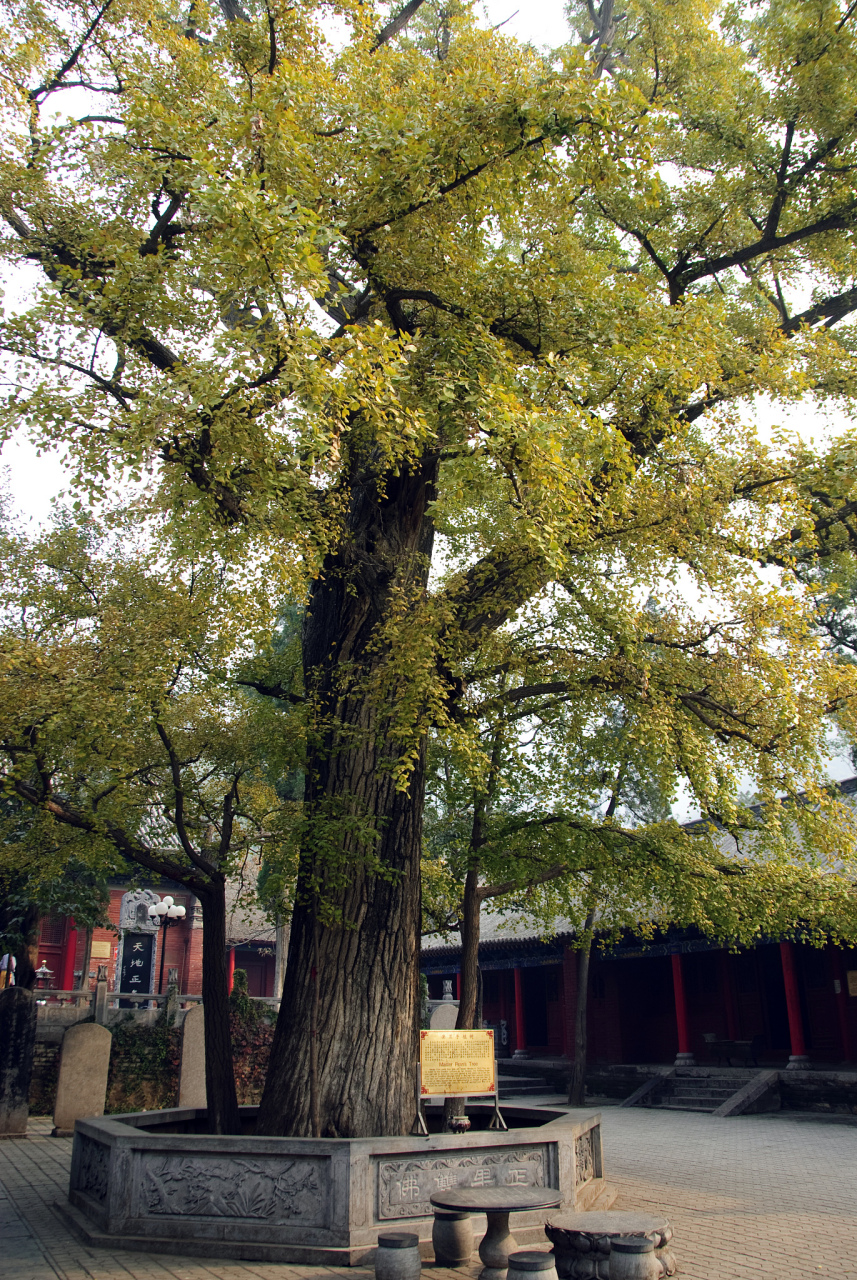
(520, 1032)
(66, 974)
(684, 1057)
(840, 995)
(798, 1058)
(230, 968)
(728, 996)
(458, 985)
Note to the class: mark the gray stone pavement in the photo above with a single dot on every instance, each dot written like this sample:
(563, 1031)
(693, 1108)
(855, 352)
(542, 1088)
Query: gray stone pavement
(774, 1198)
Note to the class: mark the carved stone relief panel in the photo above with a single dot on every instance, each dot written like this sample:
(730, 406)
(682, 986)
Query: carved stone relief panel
(134, 911)
(584, 1158)
(93, 1169)
(404, 1186)
(271, 1190)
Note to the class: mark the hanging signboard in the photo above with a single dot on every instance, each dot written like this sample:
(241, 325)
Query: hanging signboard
(457, 1063)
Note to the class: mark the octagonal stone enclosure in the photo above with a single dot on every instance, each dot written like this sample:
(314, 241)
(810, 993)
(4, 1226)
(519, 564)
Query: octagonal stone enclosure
(155, 1181)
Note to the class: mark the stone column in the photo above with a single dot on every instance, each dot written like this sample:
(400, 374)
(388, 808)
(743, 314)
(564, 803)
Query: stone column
(684, 1057)
(101, 995)
(192, 1075)
(520, 1027)
(82, 1084)
(798, 1061)
(17, 1043)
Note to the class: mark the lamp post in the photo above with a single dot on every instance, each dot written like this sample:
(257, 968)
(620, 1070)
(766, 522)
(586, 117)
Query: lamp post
(163, 913)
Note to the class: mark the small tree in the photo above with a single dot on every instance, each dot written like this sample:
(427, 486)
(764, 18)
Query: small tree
(122, 731)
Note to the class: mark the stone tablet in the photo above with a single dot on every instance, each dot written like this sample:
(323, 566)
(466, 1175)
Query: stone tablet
(444, 1017)
(192, 1077)
(17, 1042)
(82, 1086)
(457, 1063)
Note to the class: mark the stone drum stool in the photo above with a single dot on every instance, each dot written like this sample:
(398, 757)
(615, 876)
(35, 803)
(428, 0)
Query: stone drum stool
(633, 1258)
(452, 1238)
(581, 1241)
(398, 1256)
(531, 1264)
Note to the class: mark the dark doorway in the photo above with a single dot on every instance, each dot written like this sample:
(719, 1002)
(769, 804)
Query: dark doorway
(535, 1007)
(777, 1017)
(259, 969)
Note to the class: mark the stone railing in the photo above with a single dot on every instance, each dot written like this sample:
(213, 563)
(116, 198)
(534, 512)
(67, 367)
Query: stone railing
(64, 1008)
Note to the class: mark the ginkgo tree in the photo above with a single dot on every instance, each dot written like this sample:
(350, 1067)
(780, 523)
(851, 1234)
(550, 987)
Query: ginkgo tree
(330, 287)
(127, 747)
(557, 804)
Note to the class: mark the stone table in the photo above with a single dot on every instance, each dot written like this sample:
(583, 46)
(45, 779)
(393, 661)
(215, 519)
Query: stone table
(497, 1203)
(581, 1241)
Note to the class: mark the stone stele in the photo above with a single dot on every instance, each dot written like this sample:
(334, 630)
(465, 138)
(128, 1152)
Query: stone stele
(443, 1018)
(17, 1041)
(192, 1076)
(82, 1086)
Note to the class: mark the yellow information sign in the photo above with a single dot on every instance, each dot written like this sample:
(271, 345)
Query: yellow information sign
(456, 1063)
(100, 951)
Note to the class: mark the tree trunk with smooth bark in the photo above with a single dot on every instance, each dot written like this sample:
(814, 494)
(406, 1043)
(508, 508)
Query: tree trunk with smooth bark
(360, 861)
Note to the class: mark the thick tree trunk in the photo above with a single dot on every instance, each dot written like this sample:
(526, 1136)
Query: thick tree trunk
(222, 1099)
(577, 1081)
(360, 860)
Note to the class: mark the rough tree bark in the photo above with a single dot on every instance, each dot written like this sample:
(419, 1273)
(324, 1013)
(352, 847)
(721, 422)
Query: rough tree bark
(367, 967)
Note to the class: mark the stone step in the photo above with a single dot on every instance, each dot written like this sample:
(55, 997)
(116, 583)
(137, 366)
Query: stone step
(683, 1104)
(711, 1091)
(523, 1090)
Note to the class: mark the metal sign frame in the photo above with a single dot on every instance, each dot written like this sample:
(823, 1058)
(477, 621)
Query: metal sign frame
(497, 1121)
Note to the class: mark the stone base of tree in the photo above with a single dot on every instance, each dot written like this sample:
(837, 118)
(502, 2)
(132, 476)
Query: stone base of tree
(158, 1182)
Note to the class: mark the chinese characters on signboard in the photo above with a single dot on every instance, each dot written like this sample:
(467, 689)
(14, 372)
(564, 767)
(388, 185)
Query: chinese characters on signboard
(136, 972)
(456, 1063)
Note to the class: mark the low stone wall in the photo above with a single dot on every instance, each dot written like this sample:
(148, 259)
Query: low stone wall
(145, 1182)
(828, 1092)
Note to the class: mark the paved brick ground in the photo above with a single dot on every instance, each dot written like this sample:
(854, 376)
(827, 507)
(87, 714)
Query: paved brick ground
(770, 1198)
(757, 1196)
